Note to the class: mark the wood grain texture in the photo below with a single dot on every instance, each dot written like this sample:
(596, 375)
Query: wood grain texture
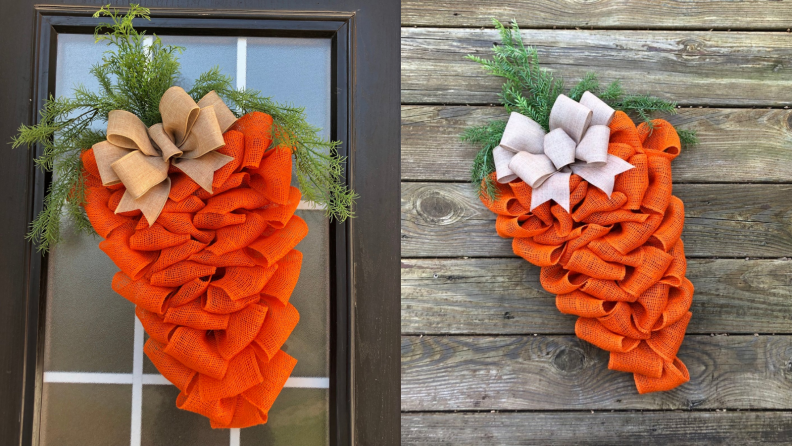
(470, 308)
(369, 58)
(609, 428)
(503, 296)
(721, 220)
(652, 14)
(564, 373)
(735, 145)
(700, 68)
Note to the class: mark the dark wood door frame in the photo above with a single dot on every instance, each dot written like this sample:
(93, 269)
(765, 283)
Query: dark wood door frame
(365, 251)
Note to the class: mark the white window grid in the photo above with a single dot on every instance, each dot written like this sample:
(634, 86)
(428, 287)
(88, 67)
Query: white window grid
(137, 378)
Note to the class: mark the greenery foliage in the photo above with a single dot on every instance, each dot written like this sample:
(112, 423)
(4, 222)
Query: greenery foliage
(532, 90)
(133, 76)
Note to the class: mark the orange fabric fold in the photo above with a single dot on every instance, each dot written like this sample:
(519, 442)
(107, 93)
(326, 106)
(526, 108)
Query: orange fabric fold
(617, 263)
(212, 277)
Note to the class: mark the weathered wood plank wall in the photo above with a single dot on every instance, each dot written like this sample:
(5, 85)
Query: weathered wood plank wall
(486, 357)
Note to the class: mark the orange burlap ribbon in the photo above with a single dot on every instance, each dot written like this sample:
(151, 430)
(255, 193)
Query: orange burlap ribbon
(618, 263)
(212, 277)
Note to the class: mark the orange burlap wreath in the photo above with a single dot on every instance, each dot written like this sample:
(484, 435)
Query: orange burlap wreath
(618, 263)
(211, 279)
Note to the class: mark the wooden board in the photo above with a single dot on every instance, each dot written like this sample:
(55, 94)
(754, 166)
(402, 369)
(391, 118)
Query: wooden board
(564, 373)
(722, 220)
(735, 145)
(586, 428)
(619, 14)
(503, 296)
(716, 69)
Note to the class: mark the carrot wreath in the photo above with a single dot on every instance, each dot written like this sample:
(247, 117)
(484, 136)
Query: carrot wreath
(212, 276)
(191, 193)
(586, 195)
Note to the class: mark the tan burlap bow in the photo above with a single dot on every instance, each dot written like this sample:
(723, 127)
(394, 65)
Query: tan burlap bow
(139, 157)
(578, 131)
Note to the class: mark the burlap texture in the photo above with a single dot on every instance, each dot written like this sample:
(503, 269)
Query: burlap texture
(211, 278)
(618, 263)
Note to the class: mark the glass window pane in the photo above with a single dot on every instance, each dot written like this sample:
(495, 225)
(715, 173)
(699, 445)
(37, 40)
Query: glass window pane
(92, 330)
(303, 81)
(77, 54)
(310, 340)
(165, 424)
(298, 417)
(88, 328)
(202, 54)
(85, 414)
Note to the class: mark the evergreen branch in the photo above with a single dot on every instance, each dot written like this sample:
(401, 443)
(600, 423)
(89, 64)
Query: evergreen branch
(688, 137)
(212, 80)
(612, 92)
(488, 136)
(588, 83)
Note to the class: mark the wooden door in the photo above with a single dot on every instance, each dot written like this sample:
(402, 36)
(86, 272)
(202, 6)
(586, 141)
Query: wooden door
(74, 368)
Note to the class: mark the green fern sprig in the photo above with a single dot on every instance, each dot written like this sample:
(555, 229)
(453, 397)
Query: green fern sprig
(133, 76)
(532, 90)
(487, 136)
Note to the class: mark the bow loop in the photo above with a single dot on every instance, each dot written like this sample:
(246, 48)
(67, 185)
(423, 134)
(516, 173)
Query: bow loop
(523, 134)
(593, 148)
(225, 117)
(204, 137)
(578, 131)
(179, 113)
(601, 113)
(139, 172)
(126, 130)
(140, 157)
(533, 169)
(570, 116)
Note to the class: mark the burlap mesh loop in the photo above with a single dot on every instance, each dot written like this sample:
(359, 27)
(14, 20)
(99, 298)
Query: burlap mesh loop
(618, 263)
(211, 278)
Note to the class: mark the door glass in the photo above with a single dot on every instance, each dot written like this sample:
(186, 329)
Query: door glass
(99, 388)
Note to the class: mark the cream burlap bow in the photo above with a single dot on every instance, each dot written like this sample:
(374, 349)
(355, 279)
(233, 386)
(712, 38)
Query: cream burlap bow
(578, 131)
(139, 157)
